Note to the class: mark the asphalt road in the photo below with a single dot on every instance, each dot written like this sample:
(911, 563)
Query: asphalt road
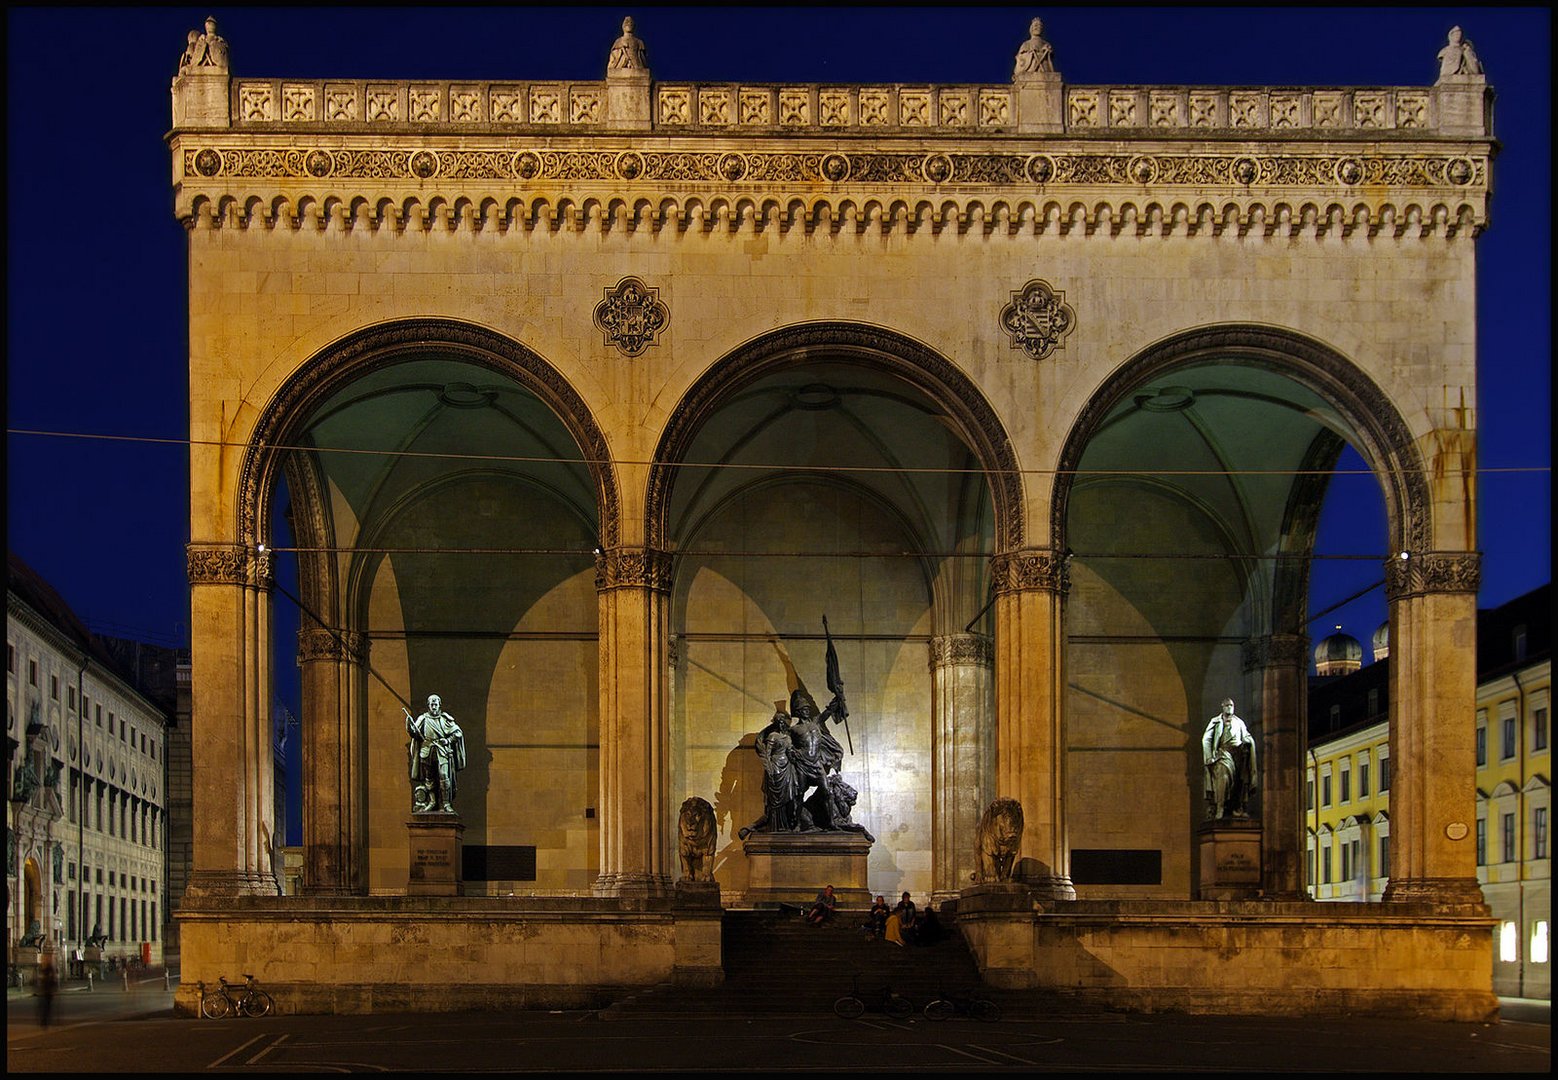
(114, 1031)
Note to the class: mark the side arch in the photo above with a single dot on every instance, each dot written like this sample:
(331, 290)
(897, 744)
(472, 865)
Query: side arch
(873, 347)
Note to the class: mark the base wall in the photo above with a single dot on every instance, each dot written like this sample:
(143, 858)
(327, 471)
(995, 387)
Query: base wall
(1246, 957)
(383, 954)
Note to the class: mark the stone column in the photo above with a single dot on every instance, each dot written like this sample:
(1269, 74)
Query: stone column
(1433, 696)
(228, 584)
(633, 584)
(1277, 664)
(332, 813)
(1030, 587)
(964, 753)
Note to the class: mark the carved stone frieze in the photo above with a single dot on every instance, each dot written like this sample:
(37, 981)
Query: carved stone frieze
(954, 650)
(1030, 570)
(633, 568)
(631, 315)
(317, 643)
(1433, 572)
(1038, 319)
(1275, 650)
(228, 564)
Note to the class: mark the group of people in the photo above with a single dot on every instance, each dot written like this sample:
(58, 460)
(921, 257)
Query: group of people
(901, 924)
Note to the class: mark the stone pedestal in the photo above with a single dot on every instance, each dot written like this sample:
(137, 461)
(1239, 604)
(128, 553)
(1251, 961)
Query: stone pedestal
(1230, 859)
(435, 854)
(793, 867)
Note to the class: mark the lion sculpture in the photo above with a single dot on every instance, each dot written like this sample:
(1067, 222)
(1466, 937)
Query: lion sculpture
(695, 840)
(1000, 835)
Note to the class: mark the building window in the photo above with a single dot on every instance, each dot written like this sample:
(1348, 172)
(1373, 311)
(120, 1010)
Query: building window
(1384, 855)
(1310, 792)
(1508, 823)
(154, 920)
(1482, 746)
(70, 698)
(54, 687)
(1519, 641)
(97, 715)
(1336, 717)
(1539, 730)
(1384, 774)
(1325, 790)
(1508, 942)
(10, 658)
(1539, 832)
(1346, 861)
(32, 673)
(1311, 866)
(70, 929)
(1482, 841)
(1325, 866)
(1539, 942)
(1346, 785)
(1509, 738)
(1363, 779)
(1357, 860)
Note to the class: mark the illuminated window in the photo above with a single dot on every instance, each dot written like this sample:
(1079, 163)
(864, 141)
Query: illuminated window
(1508, 942)
(1539, 942)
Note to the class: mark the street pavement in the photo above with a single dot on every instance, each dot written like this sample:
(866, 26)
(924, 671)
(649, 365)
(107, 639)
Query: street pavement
(114, 1030)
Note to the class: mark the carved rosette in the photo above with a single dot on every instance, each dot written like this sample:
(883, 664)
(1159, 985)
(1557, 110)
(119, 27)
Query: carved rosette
(962, 650)
(1275, 650)
(1038, 319)
(633, 568)
(1031, 570)
(1433, 572)
(630, 316)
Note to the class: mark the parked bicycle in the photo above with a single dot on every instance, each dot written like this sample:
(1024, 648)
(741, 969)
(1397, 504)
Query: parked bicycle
(946, 1006)
(247, 1000)
(854, 1004)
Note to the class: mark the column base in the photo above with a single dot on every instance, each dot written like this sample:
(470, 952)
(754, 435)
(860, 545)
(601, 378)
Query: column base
(632, 884)
(1454, 892)
(219, 883)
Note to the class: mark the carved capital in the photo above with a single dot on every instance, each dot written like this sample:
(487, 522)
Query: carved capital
(1031, 570)
(1275, 650)
(633, 568)
(1433, 572)
(950, 650)
(216, 564)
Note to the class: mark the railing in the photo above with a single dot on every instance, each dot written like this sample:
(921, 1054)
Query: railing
(1264, 109)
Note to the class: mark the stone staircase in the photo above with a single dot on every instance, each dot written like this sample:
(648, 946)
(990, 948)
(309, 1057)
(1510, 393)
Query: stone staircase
(776, 963)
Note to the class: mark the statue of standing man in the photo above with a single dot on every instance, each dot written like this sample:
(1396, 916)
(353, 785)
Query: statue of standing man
(437, 755)
(1228, 752)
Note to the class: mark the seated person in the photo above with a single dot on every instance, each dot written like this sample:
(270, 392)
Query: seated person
(908, 918)
(822, 908)
(876, 918)
(928, 929)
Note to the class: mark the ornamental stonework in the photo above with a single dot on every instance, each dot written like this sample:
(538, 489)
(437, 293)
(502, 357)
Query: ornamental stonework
(213, 564)
(1275, 650)
(1433, 572)
(962, 650)
(630, 316)
(633, 568)
(1038, 319)
(317, 643)
(1031, 570)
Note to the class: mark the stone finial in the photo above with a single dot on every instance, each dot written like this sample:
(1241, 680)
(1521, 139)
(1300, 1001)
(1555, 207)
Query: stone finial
(1036, 57)
(204, 54)
(1458, 58)
(628, 55)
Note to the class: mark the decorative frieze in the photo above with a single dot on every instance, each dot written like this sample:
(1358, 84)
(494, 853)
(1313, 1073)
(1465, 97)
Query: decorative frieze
(957, 650)
(1433, 572)
(316, 643)
(1031, 570)
(1275, 650)
(633, 568)
(217, 564)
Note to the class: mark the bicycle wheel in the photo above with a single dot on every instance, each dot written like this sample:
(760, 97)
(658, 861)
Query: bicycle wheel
(987, 1011)
(899, 1007)
(257, 1003)
(849, 1007)
(940, 1009)
(214, 1005)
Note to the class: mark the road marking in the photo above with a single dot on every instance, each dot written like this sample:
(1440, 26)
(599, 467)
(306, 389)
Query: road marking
(971, 1057)
(1002, 1053)
(235, 1052)
(278, 1041)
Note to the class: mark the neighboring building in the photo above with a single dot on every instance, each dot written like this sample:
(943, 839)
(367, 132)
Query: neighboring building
(1348, 785)
(88, 790)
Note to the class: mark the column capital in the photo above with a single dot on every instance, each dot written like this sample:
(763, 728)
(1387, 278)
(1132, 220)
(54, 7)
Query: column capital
(964, 649)
(228, 564)
(1433, 572)
(1031, 570)
(324, 643)
(633, 568)
(1275, 650)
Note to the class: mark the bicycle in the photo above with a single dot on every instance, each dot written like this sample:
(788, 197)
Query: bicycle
(248, 1000)
(946, 1006)
(851, 1006)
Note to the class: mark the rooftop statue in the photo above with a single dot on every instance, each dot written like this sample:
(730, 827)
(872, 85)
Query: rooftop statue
(204, 53)
(1036, 57)
(628, 55)
(1458, 57)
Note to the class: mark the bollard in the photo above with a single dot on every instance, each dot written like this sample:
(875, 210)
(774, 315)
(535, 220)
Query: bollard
(127, 980)
(89, 980)
(166, 985)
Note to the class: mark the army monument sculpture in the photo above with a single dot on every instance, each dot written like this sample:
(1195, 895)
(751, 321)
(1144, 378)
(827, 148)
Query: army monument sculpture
(803, 790)
(437, 754)
(1228, 753)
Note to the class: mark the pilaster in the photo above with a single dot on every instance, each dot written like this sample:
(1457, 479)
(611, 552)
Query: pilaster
(1277, 664)
(330, 661)
(961, 666)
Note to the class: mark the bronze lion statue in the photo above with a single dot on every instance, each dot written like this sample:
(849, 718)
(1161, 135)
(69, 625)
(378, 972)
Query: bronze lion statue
(999, 837)
(695, 840)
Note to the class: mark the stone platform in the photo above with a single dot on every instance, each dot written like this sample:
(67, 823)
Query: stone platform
(793, 867)
(1230, 859)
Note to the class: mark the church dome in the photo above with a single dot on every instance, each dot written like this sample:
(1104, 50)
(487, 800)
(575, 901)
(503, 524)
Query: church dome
(1381, 641)
(1338, 654)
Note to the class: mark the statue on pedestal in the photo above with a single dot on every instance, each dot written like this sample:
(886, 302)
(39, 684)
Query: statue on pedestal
(1458, 57)
(628, 54)
(1037, 56)
(1228, 753)
(695, 837)
(437, 754)
(803, 790)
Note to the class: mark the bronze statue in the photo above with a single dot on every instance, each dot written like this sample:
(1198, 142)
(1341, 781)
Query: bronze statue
(437, 755)
(1228, 752)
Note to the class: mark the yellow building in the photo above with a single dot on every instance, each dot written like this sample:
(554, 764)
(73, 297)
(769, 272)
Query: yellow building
(1348, 786)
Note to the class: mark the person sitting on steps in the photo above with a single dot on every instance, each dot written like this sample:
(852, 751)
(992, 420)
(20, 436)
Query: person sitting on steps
(823, 907)
(876, 919)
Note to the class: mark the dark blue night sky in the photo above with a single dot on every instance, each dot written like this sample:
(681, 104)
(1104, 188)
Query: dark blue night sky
(96, 282)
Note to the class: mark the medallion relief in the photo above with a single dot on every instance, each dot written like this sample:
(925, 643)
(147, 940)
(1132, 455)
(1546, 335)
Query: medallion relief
(630, 316)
